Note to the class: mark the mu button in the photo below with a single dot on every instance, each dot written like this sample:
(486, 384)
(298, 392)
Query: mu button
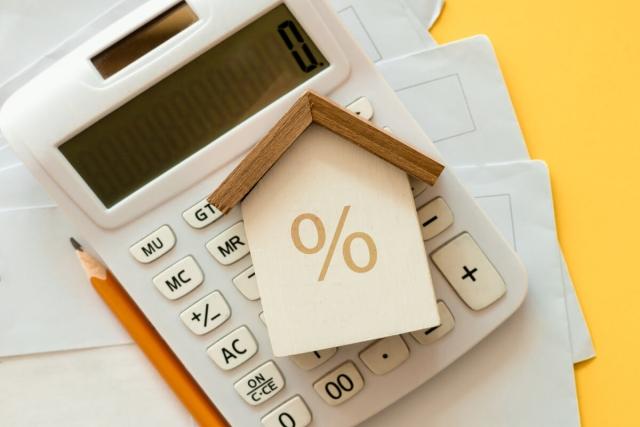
(154, 245)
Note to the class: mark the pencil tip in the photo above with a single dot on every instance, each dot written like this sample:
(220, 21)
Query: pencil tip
(77, 246)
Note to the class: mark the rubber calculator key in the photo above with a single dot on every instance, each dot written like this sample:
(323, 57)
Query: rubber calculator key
(313, 359)
(247, 284)
(233, 349)
(469, 271)
(207, 314)
(434, 217)
(230, 245)
(201, 214)
(293, 412)
(429, 335)
(417, 186)
(385, 355)
(261, 384)
(362, 107)
(153, 246)
(179, 279)
(340, 385)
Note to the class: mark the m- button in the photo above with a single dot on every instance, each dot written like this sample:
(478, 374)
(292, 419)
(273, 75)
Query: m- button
(154, 245)
(230, 245)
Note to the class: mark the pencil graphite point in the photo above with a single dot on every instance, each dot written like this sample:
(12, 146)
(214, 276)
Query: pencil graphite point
(77, 246)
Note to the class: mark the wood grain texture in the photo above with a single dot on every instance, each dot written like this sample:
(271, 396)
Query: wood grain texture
(362, 133)
(262, 157)
(313, 108)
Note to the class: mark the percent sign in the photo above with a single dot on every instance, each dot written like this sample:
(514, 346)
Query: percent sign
(346, 245)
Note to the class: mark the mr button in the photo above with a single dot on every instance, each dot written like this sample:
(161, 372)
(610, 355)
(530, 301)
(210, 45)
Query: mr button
(261, 384)
(230, 245)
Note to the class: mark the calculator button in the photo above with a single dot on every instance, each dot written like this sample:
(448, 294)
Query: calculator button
(234, 349)
(434, 217)
(313, 359)
(467, 269)
(261, 384)
(292, 413)
(230, 245)
(429, 335)
(247, 284)
(154, 245)
(207, 314)
(179, 279)
(362, 107)
(340, 385)
(417, 186)
(385, 355)
(201, 214)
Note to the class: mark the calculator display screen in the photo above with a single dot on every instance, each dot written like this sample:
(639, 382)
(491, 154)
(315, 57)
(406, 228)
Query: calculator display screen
(187, 110)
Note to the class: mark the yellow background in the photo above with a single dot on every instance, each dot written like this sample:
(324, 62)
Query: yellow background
(573, 70)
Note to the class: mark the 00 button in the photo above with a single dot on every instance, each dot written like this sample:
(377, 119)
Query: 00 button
(340, 385)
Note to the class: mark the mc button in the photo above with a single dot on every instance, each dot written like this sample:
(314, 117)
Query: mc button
(179, 279)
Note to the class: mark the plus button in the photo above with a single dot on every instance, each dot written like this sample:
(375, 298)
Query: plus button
(469, 274)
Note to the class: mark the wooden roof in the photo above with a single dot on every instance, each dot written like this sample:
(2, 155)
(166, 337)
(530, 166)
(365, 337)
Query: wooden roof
(313, 108)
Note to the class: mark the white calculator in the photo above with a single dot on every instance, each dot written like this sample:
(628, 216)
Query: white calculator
(132, 131)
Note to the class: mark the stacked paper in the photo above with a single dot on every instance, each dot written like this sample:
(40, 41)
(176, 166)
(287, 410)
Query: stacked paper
(520, 375)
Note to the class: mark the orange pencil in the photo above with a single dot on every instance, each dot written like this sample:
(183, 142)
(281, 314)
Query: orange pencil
(151, 343)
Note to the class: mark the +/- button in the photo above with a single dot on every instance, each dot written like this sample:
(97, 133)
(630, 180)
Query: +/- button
(207, 314)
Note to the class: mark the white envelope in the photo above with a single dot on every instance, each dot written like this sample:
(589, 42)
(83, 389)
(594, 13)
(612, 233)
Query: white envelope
(383, 28)
(457, 94)
(47, 302)
(105, 387)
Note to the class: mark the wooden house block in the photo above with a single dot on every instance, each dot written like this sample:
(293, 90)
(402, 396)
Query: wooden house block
(333, 229)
